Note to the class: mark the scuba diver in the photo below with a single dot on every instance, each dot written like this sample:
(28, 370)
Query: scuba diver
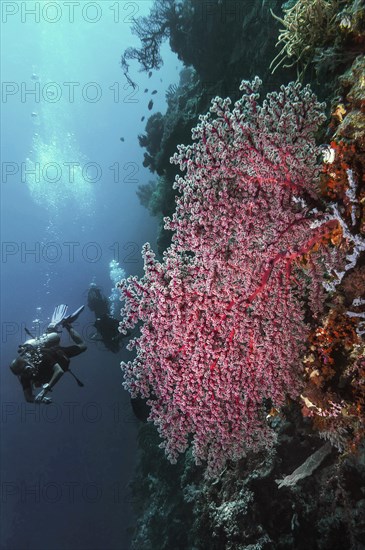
(107, 327)
(42, 361)
(97, 303)
(105, 324)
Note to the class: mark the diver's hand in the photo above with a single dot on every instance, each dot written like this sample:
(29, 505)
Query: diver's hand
(41, 397)
(47, 400)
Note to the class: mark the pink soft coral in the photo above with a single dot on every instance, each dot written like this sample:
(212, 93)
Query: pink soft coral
(223, 322)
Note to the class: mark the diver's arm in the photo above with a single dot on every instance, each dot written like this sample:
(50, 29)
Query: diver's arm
(76, 338)
(57, 374)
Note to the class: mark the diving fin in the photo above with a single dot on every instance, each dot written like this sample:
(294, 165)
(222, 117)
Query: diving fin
(72, 318)
(58, 316)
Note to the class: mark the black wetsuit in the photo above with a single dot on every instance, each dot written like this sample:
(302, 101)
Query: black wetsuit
(107, 327)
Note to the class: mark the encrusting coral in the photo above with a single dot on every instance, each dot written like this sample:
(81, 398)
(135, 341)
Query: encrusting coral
(334, 394)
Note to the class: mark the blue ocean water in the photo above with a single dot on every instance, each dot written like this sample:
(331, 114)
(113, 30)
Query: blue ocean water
(68, 208)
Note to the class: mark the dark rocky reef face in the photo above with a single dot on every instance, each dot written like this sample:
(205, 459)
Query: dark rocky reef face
(244, 508)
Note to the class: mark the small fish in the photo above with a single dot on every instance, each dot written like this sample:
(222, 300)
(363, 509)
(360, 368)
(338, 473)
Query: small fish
(150, 105)
(35, 76)
(34, 114)
(122, 139)
(142, 119)
(150, 74)
(154, 92)
(146, 90)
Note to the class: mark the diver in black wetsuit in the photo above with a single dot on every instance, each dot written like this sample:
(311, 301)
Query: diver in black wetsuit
(97, 303)
(42, 361)
(105, 324)
(107, 327)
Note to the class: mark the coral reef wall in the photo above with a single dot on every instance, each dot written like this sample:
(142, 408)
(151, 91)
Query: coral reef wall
(307, 488)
